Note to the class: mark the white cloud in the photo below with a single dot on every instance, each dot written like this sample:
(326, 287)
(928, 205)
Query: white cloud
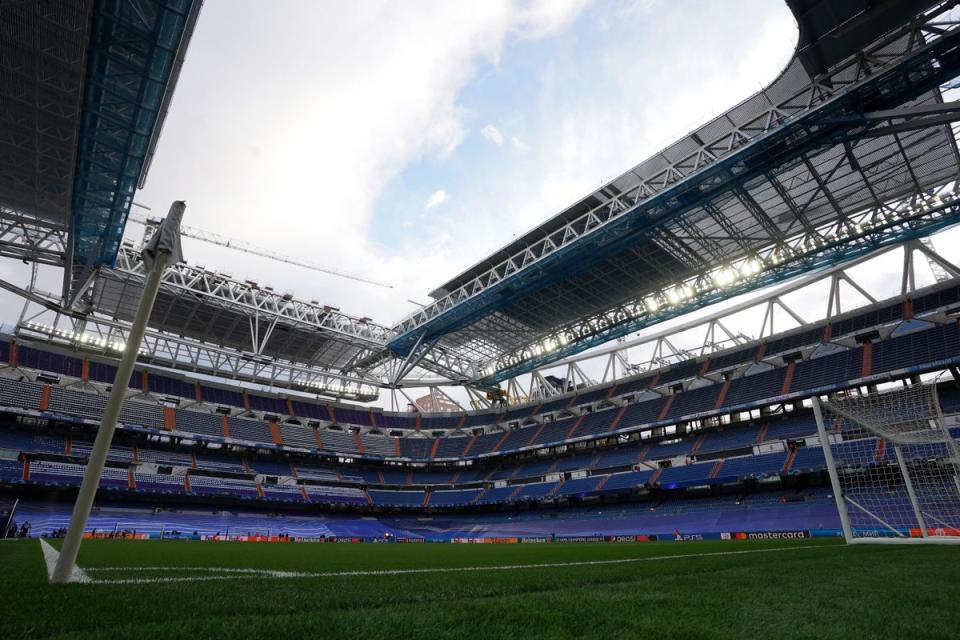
(594, 120)
(301, 162)
(541, 18)
(492, 134)
(438, 197)
(519, 144)
(300, 165)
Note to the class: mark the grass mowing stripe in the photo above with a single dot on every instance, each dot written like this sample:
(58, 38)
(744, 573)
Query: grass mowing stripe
(713, 596)
(238, 573)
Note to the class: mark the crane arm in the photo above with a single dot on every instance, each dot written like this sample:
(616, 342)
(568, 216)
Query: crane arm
(246, 247)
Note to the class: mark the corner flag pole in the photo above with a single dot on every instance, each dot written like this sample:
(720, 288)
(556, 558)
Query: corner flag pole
(163, 247)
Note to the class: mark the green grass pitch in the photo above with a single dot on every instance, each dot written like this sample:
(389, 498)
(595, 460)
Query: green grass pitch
(777, 589)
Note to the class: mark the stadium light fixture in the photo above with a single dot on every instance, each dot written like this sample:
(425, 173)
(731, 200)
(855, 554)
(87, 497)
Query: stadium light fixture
(723, 277)
(749, 268)
(343, 389)
(78, 337)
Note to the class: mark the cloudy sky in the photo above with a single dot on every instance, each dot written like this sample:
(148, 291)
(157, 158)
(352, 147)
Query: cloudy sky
(404, 141)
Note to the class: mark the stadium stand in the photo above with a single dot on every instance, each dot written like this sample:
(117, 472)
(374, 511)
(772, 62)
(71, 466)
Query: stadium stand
(671, 436)
(158, 483)
(713, 440)
(198, 423)
(936, 344)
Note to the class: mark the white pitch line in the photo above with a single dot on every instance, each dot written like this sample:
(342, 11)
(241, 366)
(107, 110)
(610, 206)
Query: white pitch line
(170, 568)
(256, 572)
(237, 574)
(50, 557)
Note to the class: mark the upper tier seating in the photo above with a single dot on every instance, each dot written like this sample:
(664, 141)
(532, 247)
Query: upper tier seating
(81, 449)
(397, 498)
(642, 412)
(273, 406)
(694, 401)
(200, 423)
(338, 441)
(931, 345)
(50, 361)
(218, 462)
(496, 495)
(790, 427)
(808, 459)
(379, 445)
(596, 423)
(580, 486)
(452, 446)
(224, 397)
(754, 387)
(76, 403)
(828, 367)
(308, 472)
(65, 473)
(39, 442)
(415, 447)
(311, 410)
(141, 414)
(627, 456)
(627, 480)
(733, 358)
(428, 423)
(283, 492)
(454, 498)
(251, 430)
(823, 371)
(295, 435)
(270, 467)
(158, 483)
(323, 494)
(670, 450)
(729, 439)
(554, 431)
(229, 487)
(172, 458)
(486, 443)
(71, 365)
(753, 466)
(168, 386)
(535, 491)
(868, 319)
(433, 477)
(14, 393)
(11, 471)
(794, 341)
(356, 416)
(686, 474)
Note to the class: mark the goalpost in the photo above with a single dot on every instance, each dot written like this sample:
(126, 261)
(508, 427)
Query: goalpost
(893, 465)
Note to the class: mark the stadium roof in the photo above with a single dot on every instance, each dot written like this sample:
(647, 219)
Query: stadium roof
(817, 49)
(833, 160)
(759, 194)
(83, 93)
(220, 310)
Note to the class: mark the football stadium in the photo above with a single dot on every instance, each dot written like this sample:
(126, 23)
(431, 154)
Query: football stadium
(718, 396)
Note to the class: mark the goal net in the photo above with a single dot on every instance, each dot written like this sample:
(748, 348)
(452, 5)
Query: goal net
(893, 464)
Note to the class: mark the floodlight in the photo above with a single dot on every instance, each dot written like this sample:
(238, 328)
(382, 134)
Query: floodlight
(722, 277)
